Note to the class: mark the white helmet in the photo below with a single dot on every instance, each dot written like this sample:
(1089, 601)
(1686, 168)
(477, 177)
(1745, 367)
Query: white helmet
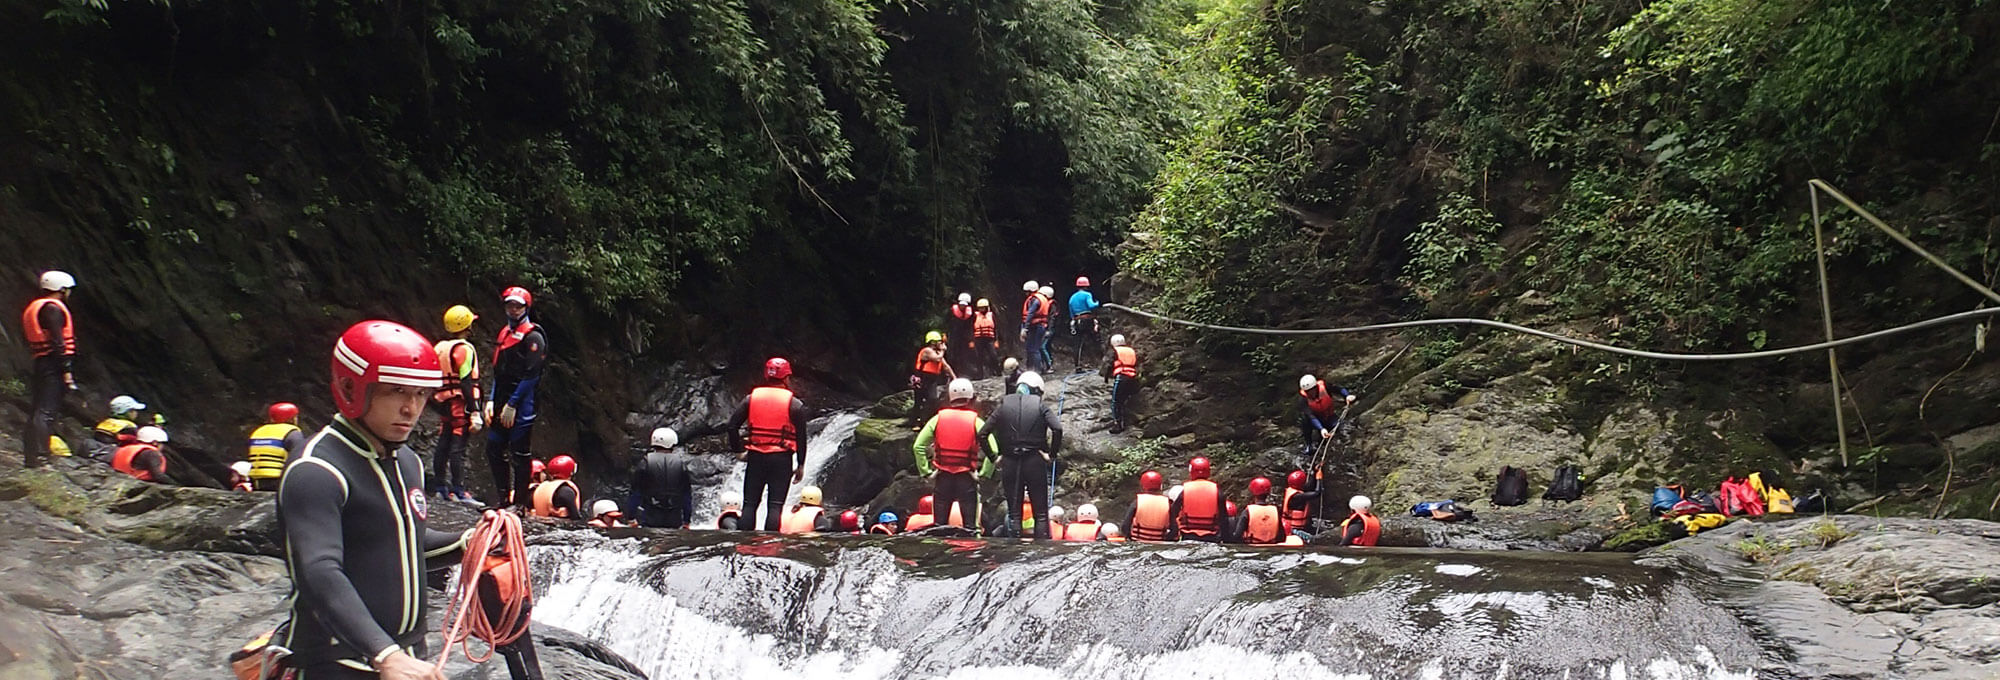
(1307, 381)
(1174, 492)
(964, 298)
(1055, 513)
(1032, 379)
(1030, 286)
(57, 280)
(1360, 504)
(665, 438)
(1047, 292)
(241, 468)
(732, 500)
(960, 390)
(603, 507)
(1117, 340)
(125, 404)
(1010, 364)
(1086, 513)
(1108, 530)
(152, 435)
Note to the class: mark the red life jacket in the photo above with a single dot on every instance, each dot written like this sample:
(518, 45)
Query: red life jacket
(956, 440)
(1080, 531)
(1295, 518)
(1263, 526)
(1371, 528)
(801, 520)
(884, 529)
(511, 336)
(982, 325)
(770, 421)
(1124, 362)
(961, 312)
(928, 366)
(1150, 515)
(39, 341)
(1321, 405)
(1198, 501)
(243, 485)
(545, 498)
(121, 460)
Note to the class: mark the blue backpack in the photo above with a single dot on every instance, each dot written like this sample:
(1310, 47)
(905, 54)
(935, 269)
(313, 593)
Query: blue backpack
(1424, 509)
(1665, 497)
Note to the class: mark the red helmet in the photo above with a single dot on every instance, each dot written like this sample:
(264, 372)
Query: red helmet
(777, 368)
(1150, 482)
(386, 352)
(518, 294)
(562, 466)
(1296, 480)
(283, 412)
(1083, 282)
(1260, 486)
(850, 521)
(1198, 468)
(536, 468)
(924, 505)
(1229, 508)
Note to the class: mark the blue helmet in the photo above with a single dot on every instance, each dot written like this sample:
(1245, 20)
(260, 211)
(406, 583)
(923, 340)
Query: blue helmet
(886, 518)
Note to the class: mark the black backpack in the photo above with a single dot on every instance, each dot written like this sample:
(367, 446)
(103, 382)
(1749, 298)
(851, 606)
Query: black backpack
(1513, 486)
(1567, 485)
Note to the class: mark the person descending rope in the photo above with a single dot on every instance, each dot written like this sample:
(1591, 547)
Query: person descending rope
(1121, 369)
(1361, 528)
(352, 514)
(774, 452)
(518, 359)
(1083, 321)
(558, 497)
(985, 340)
(928, 377)
(143, 459)
(1301, 495)
(1028, 435)
(459, 415)
(885, 524)
(1199, 511)
(1085, 528)
(958, 326)
(275, 444)
(1320, 411)
(604, 514)
(50, 331)
(948, 449)
(1035, 310)
(807, 516)
(662, 487)
(1152, 516)
(731, 517)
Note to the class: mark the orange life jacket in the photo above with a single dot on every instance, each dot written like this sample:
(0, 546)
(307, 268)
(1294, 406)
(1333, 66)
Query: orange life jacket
(770, 421)
(1295, 519)
(1263, 527)
(884, 529)
(982, 325)
(1035, 311)
(545, 498)
(456, 355)
(501, 569)
(1055, 530)
(121, 460)
(1371, 528)
(1080, 531)
(608, 520)
(1198, 501)
(961, 312)
(510, 336)
(956, 440)
(920, 522)
(928, 366)
(38, 339)
(244, 486)
(1321, 405)
(1124, 362)
(1151, 514)
(800, 520)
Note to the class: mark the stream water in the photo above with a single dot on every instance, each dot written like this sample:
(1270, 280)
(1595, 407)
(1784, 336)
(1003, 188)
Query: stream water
(825, 443)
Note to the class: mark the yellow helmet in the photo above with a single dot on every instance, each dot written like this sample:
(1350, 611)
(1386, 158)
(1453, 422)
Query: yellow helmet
(809, 495)
(932, 337)
(458, 318)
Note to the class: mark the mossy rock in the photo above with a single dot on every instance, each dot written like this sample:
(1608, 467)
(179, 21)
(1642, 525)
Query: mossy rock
(48, 490)
(1644, 536)
(874, 431)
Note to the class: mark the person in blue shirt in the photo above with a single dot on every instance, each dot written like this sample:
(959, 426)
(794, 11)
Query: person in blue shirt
(1083, 321)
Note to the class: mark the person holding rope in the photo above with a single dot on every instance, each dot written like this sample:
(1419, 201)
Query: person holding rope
(1320, 411)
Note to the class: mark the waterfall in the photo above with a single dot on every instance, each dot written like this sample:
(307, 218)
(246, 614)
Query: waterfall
(828, 441)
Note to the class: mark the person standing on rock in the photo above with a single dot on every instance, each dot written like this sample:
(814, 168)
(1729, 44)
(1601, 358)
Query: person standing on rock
(985, 340)
(662, 488)
(275, 444)
(774, 452)
(1028, 435)
(352, 513)
(1048, 357)
(958, 326)
(1035, 311)
(948, 450)
(459, 418)
(1121, 369)
(1321, 411)
(1083, 321)
(51, 335)
(517, 372)
(929, 376)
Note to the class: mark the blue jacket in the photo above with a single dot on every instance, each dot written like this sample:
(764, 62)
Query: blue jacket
(1082, 303)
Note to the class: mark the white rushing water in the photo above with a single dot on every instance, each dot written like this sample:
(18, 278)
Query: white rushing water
(822, 450)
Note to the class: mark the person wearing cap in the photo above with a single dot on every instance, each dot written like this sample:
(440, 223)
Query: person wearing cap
(51, 334)
(459, 416)
(518, 360)
(929, 376)
(118, 429)
(1083, 321)
(275, 444)
(662, 487)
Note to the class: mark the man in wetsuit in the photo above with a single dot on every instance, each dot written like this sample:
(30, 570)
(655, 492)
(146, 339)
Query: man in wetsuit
(517, 372)
(662, 490)
(51, 335)
(774, 452)
(352, 513)
(1029, 435)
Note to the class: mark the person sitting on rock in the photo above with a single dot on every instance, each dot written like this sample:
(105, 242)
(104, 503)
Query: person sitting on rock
(1012, 369)
(1361, 528)
(604, 514)
(1085, 528)
(239, 477)
(558, 497)
(143, 458)
(116, 430)
(731, 518)
(807, 516)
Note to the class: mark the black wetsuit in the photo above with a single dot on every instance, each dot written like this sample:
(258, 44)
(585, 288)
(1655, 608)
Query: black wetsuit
(1025, 429)
(1303, 500)
(566, 500)
(768, 474)
(353, 521)
(517, 372)
(46, 386)
(153, 462)
(662, 490)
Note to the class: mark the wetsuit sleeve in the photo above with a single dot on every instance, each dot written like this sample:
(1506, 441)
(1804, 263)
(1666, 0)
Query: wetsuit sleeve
(1055, 431)
(155, 464)
(566, 499)
(1351, 532)
(534, 355)
(443, 548)
(825, 523)
(309, 499)
(1306, 496)
(1131, 516)
(735, 427)
(1221, 512)
(53, 318)
(686, 495)
(1110, 360)
(295, 442)
(799, 420)
(920, 449)
(985, 437)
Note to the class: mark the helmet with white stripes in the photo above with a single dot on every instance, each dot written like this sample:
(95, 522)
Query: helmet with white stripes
(382, 352)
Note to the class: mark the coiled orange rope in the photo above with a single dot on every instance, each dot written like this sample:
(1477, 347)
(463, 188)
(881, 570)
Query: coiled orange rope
(494, 548)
